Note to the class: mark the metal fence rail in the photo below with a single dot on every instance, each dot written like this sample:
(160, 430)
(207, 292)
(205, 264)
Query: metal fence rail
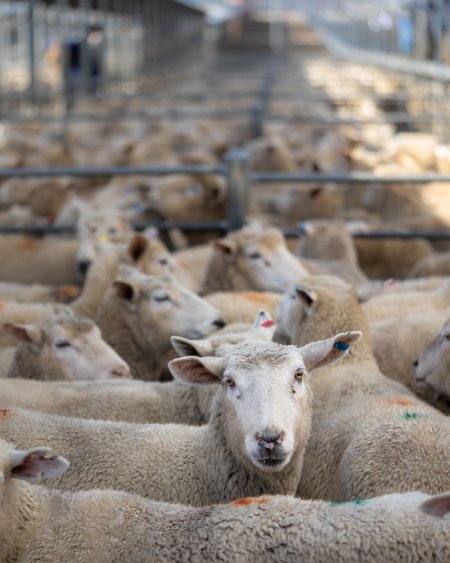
(240, 180)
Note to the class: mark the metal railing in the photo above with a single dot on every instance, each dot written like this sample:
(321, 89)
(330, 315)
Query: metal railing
(240, 182)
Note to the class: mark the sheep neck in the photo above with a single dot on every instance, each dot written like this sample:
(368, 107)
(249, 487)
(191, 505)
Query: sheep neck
(97, 283)
(123, 333)
(220, 275)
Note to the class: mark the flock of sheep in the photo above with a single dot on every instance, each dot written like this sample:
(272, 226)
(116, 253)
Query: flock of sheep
(245, 398)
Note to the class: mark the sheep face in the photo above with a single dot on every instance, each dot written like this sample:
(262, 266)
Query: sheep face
(293, 309)
(221, 343)
(430, 370)
(158, 301)
(93, 229)
(184, 198)
(259, 260)
(150, 256)
(325, 240)
(265, 398)
(71, 347)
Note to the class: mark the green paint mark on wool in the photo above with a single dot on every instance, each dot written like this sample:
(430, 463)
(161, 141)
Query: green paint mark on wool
(411, 416)
(356, 501)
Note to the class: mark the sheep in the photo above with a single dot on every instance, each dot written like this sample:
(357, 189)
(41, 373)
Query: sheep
(431, 367)
(328, 247)
(59, 262)
(370, 435)
(253, 443)
(397, 303)
(109, 526)
(37, 293)
(137, 401)
(94, 226)
(241, 306)
(252, 259)
(144, 252)
(437, 264)
(28, 260)
(398, 341)
(188, 198)
(139, 314)
(63, 348)
(26, 313)
(194, 260)
(391, 258)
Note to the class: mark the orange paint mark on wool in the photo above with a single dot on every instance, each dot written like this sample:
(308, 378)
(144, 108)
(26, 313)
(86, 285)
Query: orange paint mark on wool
(258, 297)
(184, 265)
(246, 501)
(2, 305)
(27, 244)
(402, 401)
(5, 412)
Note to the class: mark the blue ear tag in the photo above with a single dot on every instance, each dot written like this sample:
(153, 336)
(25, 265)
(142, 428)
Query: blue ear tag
(341, 346)
(301, 229)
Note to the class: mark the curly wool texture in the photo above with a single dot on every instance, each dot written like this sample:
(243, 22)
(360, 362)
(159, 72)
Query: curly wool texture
(397, 304)
(30, 260)
(114, 527)
(131, 401)
(174, 463)
(360, 445)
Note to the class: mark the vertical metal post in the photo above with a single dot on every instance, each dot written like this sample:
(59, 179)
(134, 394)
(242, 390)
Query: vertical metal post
(31, 54)
(257, 113)
(238, 178)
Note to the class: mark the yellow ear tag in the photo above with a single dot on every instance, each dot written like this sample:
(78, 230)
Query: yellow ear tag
(104, 238)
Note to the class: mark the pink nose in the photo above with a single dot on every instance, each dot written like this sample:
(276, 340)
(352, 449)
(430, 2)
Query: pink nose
(121, 371)
(268, 440)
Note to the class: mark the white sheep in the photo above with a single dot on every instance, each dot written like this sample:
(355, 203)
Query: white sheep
(398, 342)
(140, 313)
(431, 368)
(252, 444)
(110, 526)
(252, 259)
(63, 348)
(136, 401)
(370, 435)
(326, 247)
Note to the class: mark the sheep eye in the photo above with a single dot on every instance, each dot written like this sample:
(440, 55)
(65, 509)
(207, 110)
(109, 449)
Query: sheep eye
(255, 256)
(298, 376)
(231, 384)
(161, 298)
(163, 262)
(62, 344)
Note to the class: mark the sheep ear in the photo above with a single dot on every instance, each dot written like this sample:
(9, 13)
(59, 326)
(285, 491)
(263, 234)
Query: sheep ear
(437, 505)
(137, 247)
(36, 464)
(308, 296)
(126, 291)
(265, 325)
(224, 246)
(24, 333)
(325, 352)
(304, 229)
(197, 371)
(186, 347)
(263, 319)
(315, 192)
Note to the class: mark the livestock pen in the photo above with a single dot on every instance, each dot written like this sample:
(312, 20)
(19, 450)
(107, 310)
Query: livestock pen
(224, 249)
